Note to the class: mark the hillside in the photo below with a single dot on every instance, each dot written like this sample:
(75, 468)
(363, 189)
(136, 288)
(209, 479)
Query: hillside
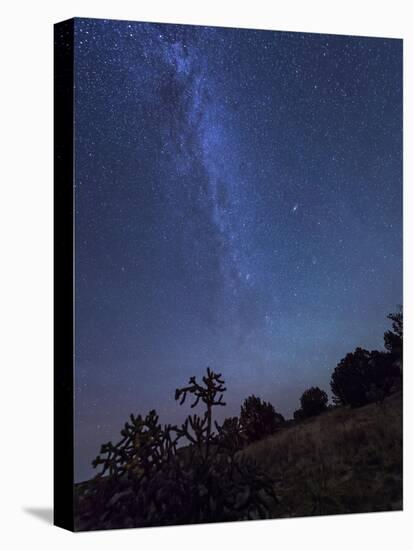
(343, 461)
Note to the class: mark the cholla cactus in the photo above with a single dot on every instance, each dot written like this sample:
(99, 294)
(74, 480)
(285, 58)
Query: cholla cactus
(211, 394)
(145, 445)
(148, 479)
(230, 436)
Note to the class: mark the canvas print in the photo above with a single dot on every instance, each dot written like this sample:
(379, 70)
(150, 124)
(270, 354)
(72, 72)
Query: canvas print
(237, 273)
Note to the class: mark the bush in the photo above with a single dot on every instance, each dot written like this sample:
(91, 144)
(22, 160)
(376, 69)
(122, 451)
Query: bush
(298, 415)
(313, 401)
(258, 419)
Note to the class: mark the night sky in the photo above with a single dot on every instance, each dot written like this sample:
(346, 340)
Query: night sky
(238, 206)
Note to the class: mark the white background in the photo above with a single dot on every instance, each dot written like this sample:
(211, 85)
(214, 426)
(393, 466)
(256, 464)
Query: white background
(26, 272)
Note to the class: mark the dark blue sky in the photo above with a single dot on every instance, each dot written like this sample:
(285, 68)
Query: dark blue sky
(238, 205)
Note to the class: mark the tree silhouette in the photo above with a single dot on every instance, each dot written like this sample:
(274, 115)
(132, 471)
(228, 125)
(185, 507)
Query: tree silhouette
(384, 375)
(313, 401)
(258, 418)
(364, 376)
(350, 382)
(393, 339)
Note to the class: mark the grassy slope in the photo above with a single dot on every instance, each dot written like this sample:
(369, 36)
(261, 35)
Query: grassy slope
(343, 461)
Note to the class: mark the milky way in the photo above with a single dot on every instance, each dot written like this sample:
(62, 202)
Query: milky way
(238, 205)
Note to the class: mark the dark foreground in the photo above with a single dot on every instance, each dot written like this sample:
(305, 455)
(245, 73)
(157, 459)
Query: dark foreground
(343, 461)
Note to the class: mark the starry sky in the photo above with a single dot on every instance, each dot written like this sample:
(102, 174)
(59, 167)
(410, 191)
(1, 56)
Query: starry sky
(238, 198)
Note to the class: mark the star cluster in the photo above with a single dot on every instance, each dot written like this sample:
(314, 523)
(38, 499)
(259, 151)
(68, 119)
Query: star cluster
(238, 205)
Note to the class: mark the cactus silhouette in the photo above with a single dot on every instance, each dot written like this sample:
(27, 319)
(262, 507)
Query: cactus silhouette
(151, 478)
(211, 394)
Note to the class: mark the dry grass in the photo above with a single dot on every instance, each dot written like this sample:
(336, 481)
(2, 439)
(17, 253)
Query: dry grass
(344, 461)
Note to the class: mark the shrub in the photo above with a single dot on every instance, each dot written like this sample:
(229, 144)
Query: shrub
(313, 401)
(298, 415)
(258, 419)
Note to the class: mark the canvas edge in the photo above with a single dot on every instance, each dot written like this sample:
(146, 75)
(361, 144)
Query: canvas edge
(63, 292)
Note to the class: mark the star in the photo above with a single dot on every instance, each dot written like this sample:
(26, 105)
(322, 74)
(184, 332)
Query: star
(195, 147)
